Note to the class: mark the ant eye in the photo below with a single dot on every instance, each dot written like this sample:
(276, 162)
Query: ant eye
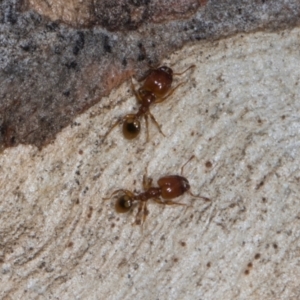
(131, 128)
(123, 204)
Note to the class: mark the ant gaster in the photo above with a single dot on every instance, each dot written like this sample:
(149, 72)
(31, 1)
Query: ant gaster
(169, 188)
(156, 88)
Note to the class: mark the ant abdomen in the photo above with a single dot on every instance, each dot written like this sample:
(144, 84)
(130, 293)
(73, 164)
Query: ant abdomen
(123, 204)
(131, 127)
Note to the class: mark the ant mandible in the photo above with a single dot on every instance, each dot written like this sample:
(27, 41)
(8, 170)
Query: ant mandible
(155, 89)
(170, 187)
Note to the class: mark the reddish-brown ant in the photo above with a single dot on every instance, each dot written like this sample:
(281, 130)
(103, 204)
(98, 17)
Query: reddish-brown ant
(170, 187)
(156, 88)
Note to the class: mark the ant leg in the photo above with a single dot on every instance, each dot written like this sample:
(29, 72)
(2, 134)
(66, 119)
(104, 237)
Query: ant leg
(190, 67)
(137, 95)
(159, 100)
(201, 197)
(145, 212)
(155, 122)
(193, 156)
(139, 215)
(189, 192)
(111, 129)
(147, 181)
(147, 127)
(168, 202)
(127, 192)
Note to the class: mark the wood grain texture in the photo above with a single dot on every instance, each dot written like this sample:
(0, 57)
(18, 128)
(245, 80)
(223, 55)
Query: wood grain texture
(238, 113)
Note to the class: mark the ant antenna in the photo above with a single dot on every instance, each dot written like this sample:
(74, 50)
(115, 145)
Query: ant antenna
(182, 168)
(190, 67)
(189, 192)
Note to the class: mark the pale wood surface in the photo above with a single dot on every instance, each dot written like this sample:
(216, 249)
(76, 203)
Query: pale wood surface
(240, 111)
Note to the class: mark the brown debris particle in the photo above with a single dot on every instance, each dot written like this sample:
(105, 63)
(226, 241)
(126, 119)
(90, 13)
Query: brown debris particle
(208, 164)
(257, 256)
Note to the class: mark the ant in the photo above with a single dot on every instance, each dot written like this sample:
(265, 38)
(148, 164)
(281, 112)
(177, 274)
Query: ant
(155, 89)
(169, 188)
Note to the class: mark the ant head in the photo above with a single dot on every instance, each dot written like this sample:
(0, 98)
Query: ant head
(167, 70)
(131, 127)
(123, 204)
